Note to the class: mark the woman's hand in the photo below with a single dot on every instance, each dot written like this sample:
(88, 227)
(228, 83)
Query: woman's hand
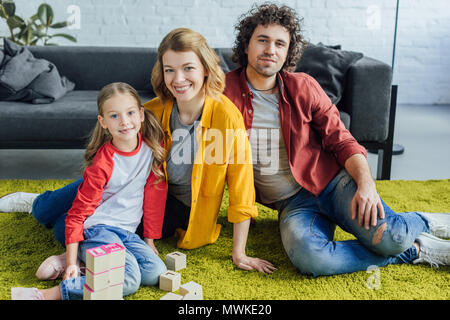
(249, 263)
(71, 272)
(151, 244)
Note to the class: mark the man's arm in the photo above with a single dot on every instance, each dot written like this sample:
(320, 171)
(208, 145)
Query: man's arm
(366, 200)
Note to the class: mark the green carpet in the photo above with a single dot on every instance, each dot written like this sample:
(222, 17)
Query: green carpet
(24, 244)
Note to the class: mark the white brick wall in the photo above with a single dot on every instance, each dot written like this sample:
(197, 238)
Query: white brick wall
(422, 62)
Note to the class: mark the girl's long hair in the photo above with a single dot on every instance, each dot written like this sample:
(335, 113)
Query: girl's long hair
(152, 132)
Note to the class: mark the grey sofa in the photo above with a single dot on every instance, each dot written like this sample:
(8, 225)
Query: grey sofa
(367, 106)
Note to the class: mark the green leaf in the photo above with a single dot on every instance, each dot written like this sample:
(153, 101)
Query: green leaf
(45, 14)
(39, 34)
(15, 22)
(67, 36)
(34, 17)
(59, 25)
(10, 8)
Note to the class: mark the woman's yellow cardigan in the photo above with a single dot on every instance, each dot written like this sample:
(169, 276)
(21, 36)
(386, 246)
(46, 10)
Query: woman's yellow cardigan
(224, 155)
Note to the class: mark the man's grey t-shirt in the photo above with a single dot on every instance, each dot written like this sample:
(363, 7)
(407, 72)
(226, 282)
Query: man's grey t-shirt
(181, 157)
(273, 177)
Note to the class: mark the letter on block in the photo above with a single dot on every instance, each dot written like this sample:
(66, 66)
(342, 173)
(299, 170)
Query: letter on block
(191, 291)
(171, 296)
(176, 261)
(97, 260)
(170, 281)
(117, 255)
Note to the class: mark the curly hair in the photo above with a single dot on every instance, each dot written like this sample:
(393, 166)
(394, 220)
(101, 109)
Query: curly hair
(265, 14)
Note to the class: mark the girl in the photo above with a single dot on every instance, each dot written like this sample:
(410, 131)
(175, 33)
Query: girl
(122, 183)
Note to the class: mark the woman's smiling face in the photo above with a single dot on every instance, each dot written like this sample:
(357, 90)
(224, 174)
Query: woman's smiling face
(184, 75)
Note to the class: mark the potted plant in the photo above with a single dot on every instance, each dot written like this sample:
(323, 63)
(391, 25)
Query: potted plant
(28, 32)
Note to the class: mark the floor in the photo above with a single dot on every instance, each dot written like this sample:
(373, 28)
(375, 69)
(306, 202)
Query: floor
(423, 131)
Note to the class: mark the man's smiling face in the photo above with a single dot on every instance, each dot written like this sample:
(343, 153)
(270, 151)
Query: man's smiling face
(267, 49)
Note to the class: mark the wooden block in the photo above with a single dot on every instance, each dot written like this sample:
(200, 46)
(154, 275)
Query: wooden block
(117, 255)
(89, 294)
(97, 281)
(176, 261)
(191, 291)
(171, 296)
(97, 259)
(116, 275)
(170, 281)
(115, 292)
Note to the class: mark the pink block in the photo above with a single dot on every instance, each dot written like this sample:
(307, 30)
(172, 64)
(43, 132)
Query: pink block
(105, 257)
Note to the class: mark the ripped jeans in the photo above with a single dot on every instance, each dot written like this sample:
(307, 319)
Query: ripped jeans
(307, 226)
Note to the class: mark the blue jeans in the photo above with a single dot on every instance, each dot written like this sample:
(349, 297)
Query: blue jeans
(307, 226)
(50, 208)
(142, 265)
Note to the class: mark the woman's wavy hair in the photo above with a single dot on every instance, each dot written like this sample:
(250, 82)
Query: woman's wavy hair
(265, 14)
(182, 40)
(152, 132)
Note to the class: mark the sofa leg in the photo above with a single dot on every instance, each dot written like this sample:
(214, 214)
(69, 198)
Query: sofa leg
(384, 164)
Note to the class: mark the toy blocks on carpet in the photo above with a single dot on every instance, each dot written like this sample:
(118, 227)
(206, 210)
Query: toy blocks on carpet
(191, 291)
(105, 270)
(176, 261)
(171, 280)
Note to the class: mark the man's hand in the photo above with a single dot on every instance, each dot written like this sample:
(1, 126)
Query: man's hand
(365, 205)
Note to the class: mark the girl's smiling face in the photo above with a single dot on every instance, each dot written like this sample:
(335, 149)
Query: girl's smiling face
(184, 75)
(122, 116)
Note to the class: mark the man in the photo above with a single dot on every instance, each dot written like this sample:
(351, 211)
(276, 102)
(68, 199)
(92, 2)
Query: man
(321, 174)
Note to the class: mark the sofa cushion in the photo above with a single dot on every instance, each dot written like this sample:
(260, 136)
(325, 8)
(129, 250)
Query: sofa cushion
(91, 68)
(328, 66)
(70, 118)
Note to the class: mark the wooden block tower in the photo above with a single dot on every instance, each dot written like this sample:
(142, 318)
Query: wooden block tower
(105, 270)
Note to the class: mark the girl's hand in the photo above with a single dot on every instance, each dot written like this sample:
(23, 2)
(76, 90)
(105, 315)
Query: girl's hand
(150, 243)
(249, 263)
(71, 272)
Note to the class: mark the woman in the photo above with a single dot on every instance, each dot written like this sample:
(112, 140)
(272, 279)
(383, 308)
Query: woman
(202, 156)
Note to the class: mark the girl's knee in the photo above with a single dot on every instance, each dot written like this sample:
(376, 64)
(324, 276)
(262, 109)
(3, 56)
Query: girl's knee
(150, 272)
(131, 283)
